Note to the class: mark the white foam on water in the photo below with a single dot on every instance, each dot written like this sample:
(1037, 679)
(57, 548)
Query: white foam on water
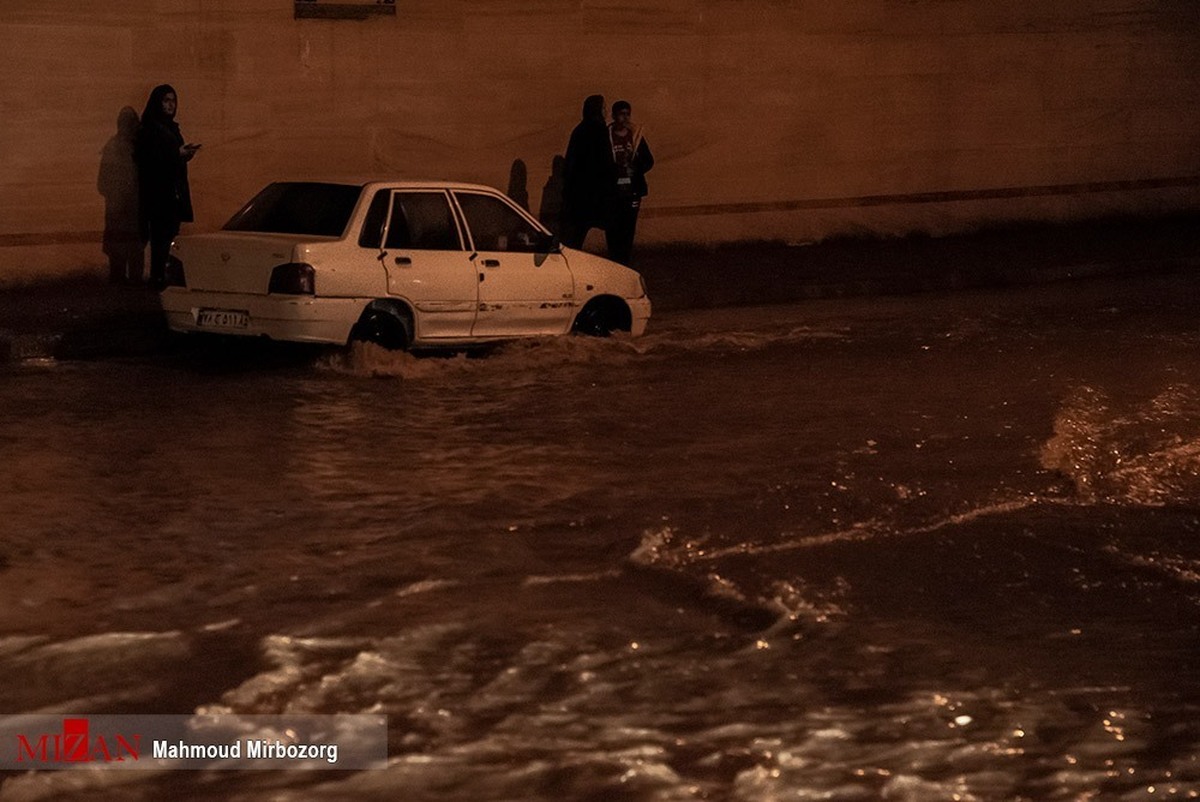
(293, 683)
(1181, 569)
(736, 340)
(90, 672)
(569, 579)
(1144, 453)
(561, 716)
(788, 602)
(77, 783)
(515, 357)
(666, 547)
(427, 586)
(19, 643)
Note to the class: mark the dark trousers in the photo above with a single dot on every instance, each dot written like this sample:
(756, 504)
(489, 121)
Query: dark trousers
(161, 231)
(126, 257)
(622, 226)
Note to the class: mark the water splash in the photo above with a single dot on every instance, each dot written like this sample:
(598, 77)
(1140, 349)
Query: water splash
(371, 361)
(1144, 453)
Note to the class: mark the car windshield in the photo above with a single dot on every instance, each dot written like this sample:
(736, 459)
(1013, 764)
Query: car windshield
(294, 207)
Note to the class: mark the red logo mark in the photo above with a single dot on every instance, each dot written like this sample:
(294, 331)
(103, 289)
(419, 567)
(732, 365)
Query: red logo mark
(76, 744)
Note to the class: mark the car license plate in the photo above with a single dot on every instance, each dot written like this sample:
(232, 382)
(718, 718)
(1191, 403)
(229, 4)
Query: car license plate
(222, 319)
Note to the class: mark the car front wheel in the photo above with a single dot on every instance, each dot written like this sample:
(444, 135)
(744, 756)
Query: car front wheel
(601, 317)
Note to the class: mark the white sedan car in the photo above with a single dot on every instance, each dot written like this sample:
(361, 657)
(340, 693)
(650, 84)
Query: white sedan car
(402, 264)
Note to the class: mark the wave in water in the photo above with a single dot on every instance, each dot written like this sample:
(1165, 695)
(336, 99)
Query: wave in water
(465, 728)
(1142, 452)
(369, 360)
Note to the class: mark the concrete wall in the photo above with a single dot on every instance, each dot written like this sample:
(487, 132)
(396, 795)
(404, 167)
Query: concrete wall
(769, 118)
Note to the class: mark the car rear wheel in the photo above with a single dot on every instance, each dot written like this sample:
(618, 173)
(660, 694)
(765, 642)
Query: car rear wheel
(384, 326)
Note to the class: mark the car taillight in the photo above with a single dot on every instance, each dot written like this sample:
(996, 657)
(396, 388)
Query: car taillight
(294, 278)
(173, 273)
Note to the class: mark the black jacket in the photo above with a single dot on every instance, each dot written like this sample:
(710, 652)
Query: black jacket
(644, 161)
(587, 170)
(162, 171)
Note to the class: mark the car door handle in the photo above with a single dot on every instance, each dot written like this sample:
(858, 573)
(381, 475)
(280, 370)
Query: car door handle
(403, 260)
(491, 262)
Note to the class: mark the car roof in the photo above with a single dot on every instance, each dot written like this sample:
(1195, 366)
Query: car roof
(408, 182)
(395, 183)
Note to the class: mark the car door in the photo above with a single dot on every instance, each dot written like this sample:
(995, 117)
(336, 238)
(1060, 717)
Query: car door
(521, 291)
(427, 263)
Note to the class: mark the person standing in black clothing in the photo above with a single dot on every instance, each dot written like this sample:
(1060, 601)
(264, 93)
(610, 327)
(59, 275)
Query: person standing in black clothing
(631, 160)
(162, 155)
(586, 175)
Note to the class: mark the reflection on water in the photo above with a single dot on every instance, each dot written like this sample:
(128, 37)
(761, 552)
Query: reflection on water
(910, 549)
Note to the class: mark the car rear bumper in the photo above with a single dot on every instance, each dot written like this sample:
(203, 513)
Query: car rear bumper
(297, 318)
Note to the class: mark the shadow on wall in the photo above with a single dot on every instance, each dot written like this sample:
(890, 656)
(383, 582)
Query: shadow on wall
(552, 195)
(550, 209)
(117, 182)
(518, 183)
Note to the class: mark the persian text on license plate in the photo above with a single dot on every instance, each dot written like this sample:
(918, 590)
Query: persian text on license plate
(222, 319)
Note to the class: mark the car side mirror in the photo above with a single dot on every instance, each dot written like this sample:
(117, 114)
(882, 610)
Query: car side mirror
(547, 243)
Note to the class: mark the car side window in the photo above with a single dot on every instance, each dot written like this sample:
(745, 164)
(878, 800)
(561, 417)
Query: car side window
(496, 226)
(372, 230)
(422, 221)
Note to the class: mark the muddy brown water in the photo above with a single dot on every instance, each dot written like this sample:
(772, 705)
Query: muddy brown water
(929, 548)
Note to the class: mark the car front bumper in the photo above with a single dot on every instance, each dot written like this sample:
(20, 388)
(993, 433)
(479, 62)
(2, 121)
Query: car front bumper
(639, 309)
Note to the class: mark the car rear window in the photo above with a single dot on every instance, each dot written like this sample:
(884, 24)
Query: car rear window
(294, 207)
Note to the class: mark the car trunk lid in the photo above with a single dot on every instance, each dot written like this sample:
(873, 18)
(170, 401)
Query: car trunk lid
(235, 261)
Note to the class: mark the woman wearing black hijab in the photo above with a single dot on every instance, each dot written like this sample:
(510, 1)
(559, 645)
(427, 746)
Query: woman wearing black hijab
(165, 200)
(586, 174)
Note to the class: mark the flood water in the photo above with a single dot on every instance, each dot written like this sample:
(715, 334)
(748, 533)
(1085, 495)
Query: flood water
(943, 547)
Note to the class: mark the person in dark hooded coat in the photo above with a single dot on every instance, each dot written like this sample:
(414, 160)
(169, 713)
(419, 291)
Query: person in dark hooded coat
(586, 174)
(162, 155)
